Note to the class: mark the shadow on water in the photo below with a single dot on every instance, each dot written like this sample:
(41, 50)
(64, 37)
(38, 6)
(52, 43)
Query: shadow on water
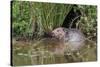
(41, 52)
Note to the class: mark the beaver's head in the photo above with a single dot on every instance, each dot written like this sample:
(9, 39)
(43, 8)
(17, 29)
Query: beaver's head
(58, 33)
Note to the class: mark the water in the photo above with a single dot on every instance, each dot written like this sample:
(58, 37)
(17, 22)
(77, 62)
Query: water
(40, 52)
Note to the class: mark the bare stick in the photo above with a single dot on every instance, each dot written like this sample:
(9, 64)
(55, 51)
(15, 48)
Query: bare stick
(73, 21)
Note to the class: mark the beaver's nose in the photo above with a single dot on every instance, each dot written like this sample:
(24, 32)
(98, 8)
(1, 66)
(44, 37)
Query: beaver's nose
(52, 34)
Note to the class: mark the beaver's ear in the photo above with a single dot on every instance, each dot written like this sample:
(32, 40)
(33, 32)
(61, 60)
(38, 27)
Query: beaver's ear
(64, 29)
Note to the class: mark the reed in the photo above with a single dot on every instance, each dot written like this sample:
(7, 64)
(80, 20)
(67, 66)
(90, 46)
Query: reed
(49, 15)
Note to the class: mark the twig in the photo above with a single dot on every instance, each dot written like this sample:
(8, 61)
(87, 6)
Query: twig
(73, 21)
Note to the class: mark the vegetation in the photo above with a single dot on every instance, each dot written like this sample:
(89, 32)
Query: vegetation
(31, 20)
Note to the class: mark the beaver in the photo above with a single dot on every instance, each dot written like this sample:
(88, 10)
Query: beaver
(73, 38)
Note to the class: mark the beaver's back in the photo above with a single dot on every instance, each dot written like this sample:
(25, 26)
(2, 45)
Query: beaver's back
(74, 39)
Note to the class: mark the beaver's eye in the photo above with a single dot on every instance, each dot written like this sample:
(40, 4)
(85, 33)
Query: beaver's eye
(58, 30)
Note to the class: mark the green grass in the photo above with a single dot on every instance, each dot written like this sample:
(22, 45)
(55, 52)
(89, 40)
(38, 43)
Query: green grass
(49, 16)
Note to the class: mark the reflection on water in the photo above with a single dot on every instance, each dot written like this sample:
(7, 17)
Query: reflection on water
(47, 51)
